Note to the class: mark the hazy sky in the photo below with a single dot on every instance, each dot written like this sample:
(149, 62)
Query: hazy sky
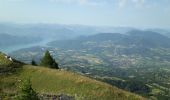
(132, 13)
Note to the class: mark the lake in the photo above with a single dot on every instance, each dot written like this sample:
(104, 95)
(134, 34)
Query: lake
(17, 47)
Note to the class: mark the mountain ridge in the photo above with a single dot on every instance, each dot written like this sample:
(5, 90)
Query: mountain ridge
(135, 37)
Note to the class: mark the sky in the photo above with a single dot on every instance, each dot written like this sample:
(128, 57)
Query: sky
(129, 13)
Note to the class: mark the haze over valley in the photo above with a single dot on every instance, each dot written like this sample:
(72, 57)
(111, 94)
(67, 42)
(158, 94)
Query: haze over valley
(84, 50)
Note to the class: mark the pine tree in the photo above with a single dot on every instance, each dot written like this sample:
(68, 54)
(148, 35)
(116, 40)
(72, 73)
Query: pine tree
(26, 92)
(48, 61)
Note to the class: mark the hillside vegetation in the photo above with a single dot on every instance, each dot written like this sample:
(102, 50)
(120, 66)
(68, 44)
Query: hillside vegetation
(3, 60)
(55, 82)
(139, 59)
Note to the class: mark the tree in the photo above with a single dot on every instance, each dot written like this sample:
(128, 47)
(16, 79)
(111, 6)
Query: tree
(26, 92)
(33, 63)
(48, 61)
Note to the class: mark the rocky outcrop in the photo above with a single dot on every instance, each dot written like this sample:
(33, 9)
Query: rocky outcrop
(55, 97)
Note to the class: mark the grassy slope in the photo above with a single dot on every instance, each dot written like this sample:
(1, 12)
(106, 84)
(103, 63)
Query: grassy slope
(51, 81)
(3, 60)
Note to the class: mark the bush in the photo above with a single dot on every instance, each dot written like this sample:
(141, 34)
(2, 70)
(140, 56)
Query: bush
(26, 92)
(33, 63)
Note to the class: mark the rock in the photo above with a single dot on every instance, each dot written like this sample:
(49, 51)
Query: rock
(55, 97)
(10, 59)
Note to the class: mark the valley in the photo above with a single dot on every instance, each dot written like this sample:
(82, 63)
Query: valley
(84, 49)
(126, 62)
(52, 83)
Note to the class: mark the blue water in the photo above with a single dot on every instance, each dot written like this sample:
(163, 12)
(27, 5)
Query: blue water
(17, 47)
